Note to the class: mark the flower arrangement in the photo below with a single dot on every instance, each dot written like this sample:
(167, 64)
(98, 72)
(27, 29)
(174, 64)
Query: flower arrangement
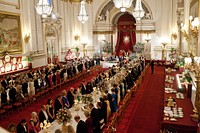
(63, 114)
(173, 55)
(138, 47)
(187, 77)
(107, 47)
(87, 98)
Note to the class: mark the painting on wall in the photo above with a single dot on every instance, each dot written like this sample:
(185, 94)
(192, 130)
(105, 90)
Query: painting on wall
(10, 34)
(15, 3)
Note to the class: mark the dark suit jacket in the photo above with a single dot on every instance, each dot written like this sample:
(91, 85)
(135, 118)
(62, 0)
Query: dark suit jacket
(4, 84)
(81, 127)
(21, 129)
(42, 116)
(95, 117)
(57, 105)
(25, 88)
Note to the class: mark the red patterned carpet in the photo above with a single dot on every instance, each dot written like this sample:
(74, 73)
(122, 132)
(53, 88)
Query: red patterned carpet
(16, 116)
(144, 113)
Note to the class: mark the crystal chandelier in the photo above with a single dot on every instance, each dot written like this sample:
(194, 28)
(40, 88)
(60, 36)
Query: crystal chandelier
(123, 4)
(82, 17)
(44, 7)
(138, 12)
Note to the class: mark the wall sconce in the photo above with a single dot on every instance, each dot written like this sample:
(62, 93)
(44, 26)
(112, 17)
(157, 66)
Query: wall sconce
(27, 38)
(194, 23)
(148, 38)
(76, 37)
(174, 36)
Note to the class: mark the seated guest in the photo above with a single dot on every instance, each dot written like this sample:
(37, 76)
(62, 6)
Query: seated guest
(58, 104)
(81, 126)
(43, 114)
(70, 96)
(95, 118)
(65, 99)
(88, 122)
(22, 127)
(50, 110)
(35, 120)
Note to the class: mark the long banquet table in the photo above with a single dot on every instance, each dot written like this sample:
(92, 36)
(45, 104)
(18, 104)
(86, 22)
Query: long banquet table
(180, 125)
(80, 112)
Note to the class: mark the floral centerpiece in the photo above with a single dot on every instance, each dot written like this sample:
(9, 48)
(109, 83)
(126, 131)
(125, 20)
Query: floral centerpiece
(138, 47)
(63, 114)
(107, 47)
(187, 77)
(87, 98)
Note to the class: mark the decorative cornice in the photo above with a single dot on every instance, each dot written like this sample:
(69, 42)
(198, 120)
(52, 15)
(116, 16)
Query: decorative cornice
(78, 1)
(145, 31)
(103, 32)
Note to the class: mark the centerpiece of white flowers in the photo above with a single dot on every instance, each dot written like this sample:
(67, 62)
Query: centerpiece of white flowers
(63, 114)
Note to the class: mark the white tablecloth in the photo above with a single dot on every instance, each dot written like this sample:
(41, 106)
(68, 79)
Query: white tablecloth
(107, 64)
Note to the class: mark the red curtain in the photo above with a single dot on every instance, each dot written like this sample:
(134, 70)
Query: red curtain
(126, 37)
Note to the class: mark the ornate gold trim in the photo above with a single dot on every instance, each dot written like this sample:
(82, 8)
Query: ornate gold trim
(17, 6)
(78, 1)
(145, 31)
(103, 32)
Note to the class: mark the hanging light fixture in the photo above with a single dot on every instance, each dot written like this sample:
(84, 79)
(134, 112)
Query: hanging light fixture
(44, 7)
(82, 17)
(122, 4)
(138, 12)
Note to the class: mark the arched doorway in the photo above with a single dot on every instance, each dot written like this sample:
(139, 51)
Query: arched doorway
(126, 37)
(52, 44)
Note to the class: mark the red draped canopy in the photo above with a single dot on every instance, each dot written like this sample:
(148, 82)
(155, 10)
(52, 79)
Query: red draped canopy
(126, 37)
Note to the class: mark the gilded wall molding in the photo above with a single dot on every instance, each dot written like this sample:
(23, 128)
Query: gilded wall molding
(103, 32)
(77, 1)
(16, 4)
(145, 31)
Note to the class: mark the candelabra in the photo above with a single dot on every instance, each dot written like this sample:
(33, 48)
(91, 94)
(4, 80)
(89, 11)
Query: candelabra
(163, 51)
(84, 49)
(195, 67)
(45, 126)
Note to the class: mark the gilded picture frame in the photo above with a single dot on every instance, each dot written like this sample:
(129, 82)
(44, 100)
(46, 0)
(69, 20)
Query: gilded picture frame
(15, 3)
(10, 33)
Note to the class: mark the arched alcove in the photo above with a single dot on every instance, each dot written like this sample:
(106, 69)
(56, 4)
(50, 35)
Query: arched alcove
(126, 36)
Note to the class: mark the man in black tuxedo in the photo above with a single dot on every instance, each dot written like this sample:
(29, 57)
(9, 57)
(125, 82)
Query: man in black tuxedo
(43, 114)
(58, 103)
(12, 94)
(70, 96)
(89, 88)
(95, 118)
(3, 97)
(22, 127)
(81, 126)
(25, 88)
(4, 83)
